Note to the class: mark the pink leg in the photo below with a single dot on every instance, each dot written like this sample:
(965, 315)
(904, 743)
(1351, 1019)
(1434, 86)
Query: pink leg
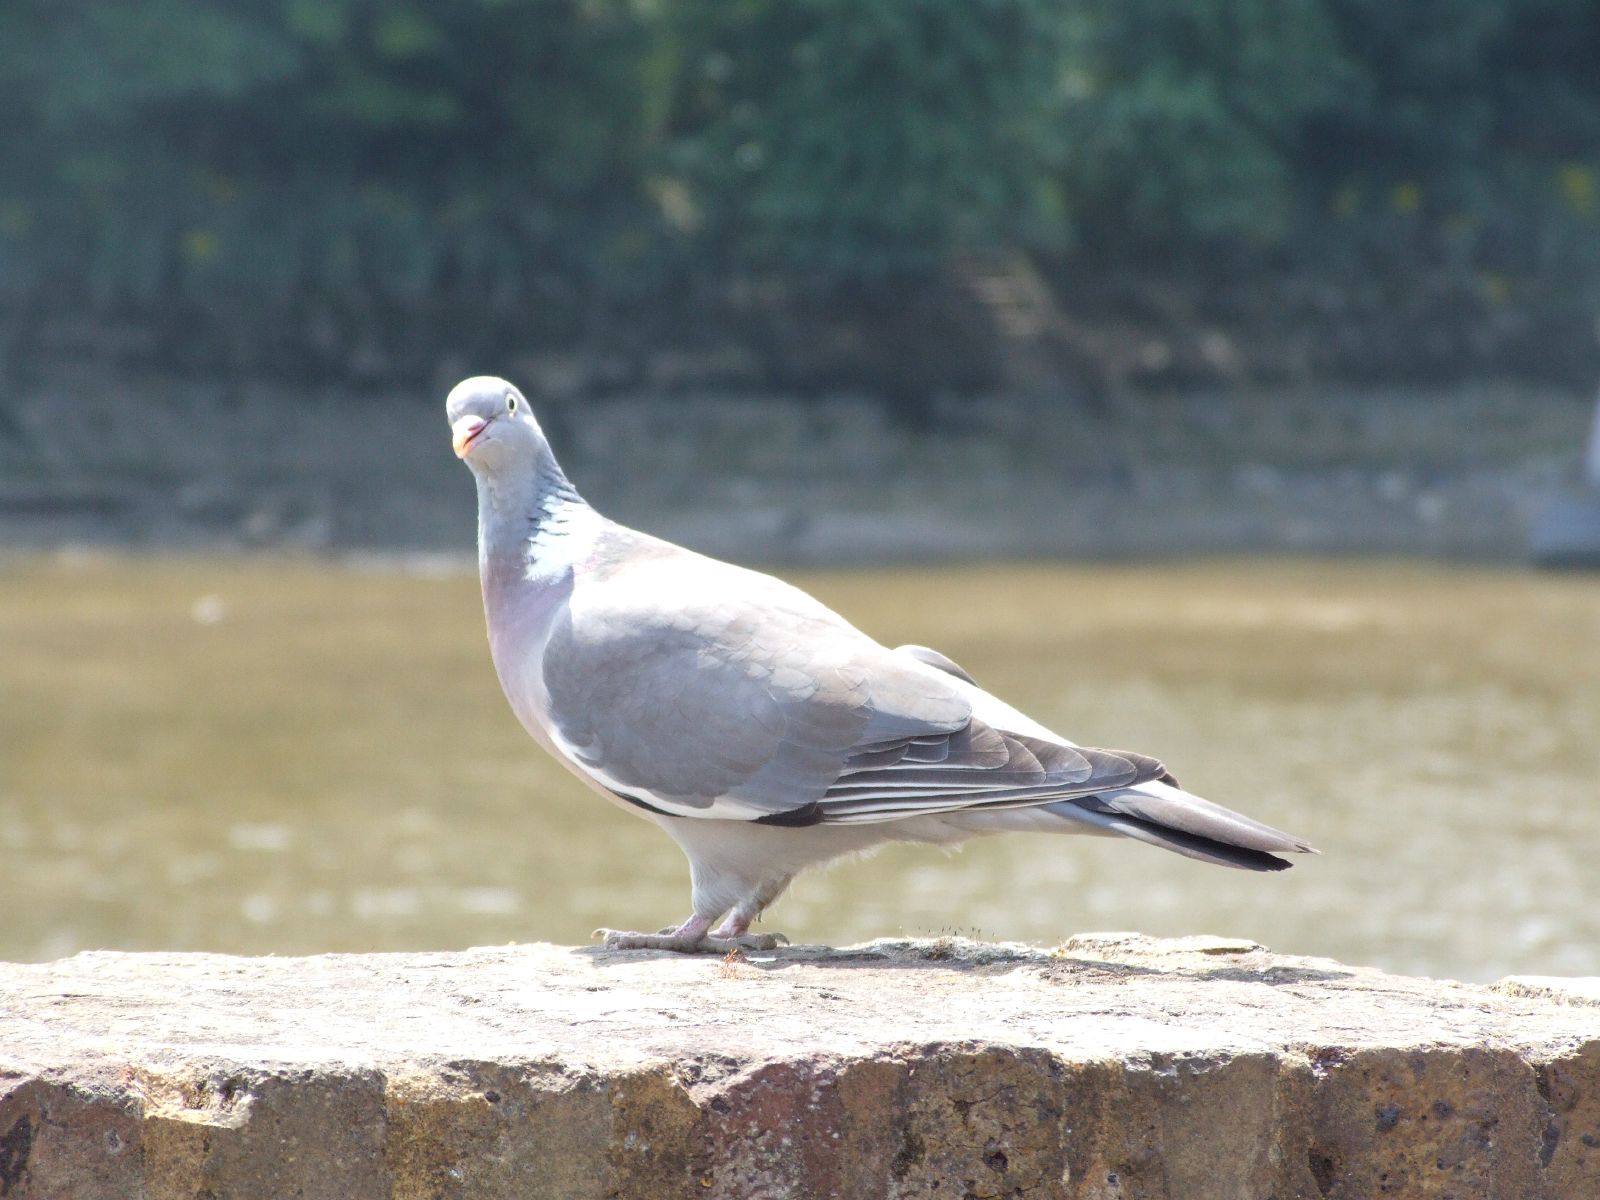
(734, 931)
(733, 926)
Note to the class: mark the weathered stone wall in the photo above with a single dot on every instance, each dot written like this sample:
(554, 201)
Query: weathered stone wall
(1115, 1066)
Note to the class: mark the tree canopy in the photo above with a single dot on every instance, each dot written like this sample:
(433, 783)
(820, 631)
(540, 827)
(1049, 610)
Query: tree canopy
(561, 162)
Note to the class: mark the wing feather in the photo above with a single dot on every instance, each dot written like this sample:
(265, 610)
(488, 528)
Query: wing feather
(704, 690)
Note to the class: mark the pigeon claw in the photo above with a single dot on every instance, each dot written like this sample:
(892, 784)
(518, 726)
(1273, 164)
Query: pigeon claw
(667, 939)
(680, 943)
(753, 941)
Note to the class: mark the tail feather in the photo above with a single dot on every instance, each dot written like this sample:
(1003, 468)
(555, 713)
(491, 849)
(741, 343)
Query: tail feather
(1190, 845)
(1161, 815)
(1156, 811)
(1167, 807)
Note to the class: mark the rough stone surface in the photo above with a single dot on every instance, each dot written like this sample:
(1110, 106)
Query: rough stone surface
(1114, 1066)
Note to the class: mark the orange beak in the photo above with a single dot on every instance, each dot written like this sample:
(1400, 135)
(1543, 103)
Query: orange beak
(464, 431)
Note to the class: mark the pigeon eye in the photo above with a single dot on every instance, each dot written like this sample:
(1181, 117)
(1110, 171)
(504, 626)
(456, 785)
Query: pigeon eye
(511, 402)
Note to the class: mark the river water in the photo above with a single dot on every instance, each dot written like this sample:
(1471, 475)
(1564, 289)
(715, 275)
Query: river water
(292, 756)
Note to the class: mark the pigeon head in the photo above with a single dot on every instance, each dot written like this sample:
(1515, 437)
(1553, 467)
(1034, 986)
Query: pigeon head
(492, 428)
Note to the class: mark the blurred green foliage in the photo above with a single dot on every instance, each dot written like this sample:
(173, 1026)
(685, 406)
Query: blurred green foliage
(561, 162)
(865, 138)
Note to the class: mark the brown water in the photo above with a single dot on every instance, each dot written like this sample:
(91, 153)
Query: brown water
(267, 756)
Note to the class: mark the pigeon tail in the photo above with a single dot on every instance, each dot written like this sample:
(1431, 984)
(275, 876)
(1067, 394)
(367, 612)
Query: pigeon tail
(1161, 814)
(1190, 845)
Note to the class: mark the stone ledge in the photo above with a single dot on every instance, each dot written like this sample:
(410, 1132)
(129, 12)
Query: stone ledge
(1113, 1066)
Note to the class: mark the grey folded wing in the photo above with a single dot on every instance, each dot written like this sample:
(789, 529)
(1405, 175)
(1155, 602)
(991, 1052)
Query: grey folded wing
(783, 714)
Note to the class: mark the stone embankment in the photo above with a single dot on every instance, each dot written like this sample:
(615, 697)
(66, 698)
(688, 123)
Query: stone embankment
(1113, 1066)
(188, 463)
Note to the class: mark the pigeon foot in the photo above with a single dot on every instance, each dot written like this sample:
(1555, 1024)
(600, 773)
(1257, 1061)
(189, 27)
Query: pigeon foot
(671, 939)
(680, 942)
(749, 941)
(734, 932)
